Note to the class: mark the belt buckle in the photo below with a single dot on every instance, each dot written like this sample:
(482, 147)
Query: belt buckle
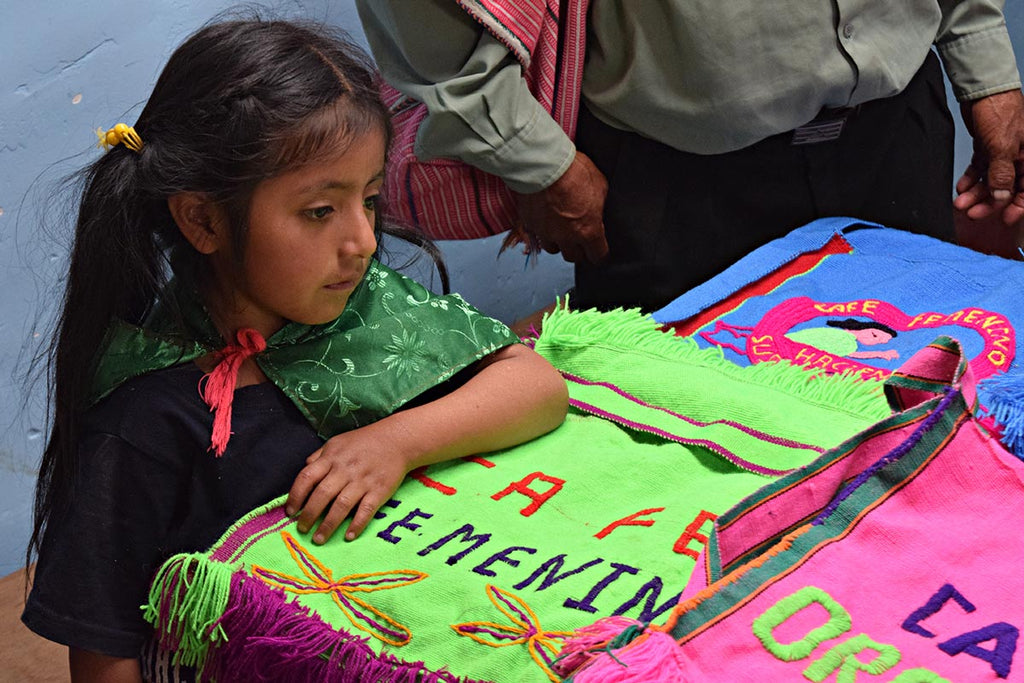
(825, 127)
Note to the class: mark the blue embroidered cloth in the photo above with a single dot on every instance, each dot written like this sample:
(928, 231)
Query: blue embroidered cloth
(846, 296)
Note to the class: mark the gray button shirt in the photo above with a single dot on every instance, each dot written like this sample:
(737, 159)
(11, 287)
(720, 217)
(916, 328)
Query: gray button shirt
(703, 76)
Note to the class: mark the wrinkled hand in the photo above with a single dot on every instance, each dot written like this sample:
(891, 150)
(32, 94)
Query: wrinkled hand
(566, 216)
(994, 180)
(355, 471)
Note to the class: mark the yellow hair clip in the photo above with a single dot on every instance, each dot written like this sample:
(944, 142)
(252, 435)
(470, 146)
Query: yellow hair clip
(118, 134)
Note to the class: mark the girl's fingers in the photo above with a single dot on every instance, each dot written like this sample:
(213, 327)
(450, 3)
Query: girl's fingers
(305, 482)
(368, 507)
(330, 496)
(336, 514)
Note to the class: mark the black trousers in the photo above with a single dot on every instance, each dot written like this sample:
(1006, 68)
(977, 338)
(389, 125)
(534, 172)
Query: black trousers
(675, 219)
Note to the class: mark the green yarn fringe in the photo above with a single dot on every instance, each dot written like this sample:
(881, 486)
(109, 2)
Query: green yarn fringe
(187, 599)
(564, 333)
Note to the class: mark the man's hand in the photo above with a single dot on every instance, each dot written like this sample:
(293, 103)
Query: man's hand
(994, 180)
(566, 216)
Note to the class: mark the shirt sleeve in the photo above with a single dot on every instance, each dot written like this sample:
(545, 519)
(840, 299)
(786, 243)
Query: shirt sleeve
(99, 554)
(975, 48)
(479, 108)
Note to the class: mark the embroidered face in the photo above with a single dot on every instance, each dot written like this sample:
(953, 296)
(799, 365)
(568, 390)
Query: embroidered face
(870, 336)
(310, 238)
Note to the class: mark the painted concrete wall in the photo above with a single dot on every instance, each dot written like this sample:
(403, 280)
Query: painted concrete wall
(68, 68)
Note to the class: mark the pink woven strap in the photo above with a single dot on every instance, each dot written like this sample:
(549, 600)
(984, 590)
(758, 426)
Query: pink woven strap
(929, 372)
(218, 386)
(548, 38)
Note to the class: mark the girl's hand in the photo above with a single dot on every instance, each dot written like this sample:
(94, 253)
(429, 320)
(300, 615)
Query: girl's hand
(355, 471)
(514, 396)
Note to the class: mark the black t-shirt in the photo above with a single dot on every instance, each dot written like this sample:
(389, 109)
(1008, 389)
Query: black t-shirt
(148, 487)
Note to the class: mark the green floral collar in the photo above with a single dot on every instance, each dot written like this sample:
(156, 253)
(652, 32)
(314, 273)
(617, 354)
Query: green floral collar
(394, 340)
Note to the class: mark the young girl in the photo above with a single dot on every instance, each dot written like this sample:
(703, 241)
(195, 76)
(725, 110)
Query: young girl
(226, 242)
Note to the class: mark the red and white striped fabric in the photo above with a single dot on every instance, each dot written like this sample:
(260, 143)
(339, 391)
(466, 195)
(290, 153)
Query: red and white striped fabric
(447, 199)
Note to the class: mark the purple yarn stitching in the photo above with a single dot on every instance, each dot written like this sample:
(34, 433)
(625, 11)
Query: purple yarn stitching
(706, 443)
(893, 455)
(756, 433)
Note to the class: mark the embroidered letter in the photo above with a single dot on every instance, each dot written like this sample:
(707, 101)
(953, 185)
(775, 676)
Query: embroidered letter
(650, 612)
(843, 658)
(523, 486)
(586, 604)
(692, 533)
(420, 475)
(838, 623)
(502, 556)
(380, 514)
(996, 357)
(1000, 657)
(553, 566)
(920, 676)
(466, 531)
(630, 520)
(934, 604)
(404, 522)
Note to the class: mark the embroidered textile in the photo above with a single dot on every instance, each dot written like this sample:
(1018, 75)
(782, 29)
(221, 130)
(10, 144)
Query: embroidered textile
(480, 567)
(893, 555)
(835, 271)
(394, 340)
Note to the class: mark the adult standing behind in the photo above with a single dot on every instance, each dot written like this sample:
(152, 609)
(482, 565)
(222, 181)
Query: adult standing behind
(720, 126)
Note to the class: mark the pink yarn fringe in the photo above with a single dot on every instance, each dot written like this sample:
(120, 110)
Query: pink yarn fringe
(590, 656)
(270, 638)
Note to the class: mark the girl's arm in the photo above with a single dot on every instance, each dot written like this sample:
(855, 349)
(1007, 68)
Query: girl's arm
(514, 396)
(91, 667)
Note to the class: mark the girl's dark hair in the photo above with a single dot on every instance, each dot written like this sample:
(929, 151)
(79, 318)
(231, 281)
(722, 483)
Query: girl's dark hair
(238, 102)
(854, 324)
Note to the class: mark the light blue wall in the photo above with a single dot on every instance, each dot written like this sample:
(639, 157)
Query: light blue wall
(68, 68)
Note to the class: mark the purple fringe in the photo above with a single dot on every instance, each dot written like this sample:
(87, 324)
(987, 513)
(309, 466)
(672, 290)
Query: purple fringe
(294, 645)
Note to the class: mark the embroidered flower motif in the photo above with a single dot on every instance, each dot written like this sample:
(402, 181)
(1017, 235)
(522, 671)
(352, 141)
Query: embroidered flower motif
(439, 303)
(406, 353)
(463, 305)
(525, 629)
(375, 278)
(344, 591)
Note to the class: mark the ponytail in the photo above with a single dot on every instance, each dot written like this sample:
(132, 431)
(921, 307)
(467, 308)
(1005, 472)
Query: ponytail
(237, 103)
(117, 270)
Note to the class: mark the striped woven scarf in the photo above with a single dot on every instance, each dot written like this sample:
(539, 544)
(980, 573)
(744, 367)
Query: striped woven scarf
(447, 199)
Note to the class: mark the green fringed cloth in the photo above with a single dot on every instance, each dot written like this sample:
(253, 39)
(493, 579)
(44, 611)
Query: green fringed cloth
(394, 340)
(480, 567)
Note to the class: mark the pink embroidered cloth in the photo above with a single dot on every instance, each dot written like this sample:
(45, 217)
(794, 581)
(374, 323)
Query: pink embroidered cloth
(894, 555)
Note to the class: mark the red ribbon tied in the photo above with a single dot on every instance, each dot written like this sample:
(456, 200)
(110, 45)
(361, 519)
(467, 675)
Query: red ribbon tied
(218, 386)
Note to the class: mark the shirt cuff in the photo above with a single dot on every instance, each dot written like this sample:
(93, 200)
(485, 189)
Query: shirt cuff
(535, 157)
(530, 160)
(980, 64)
